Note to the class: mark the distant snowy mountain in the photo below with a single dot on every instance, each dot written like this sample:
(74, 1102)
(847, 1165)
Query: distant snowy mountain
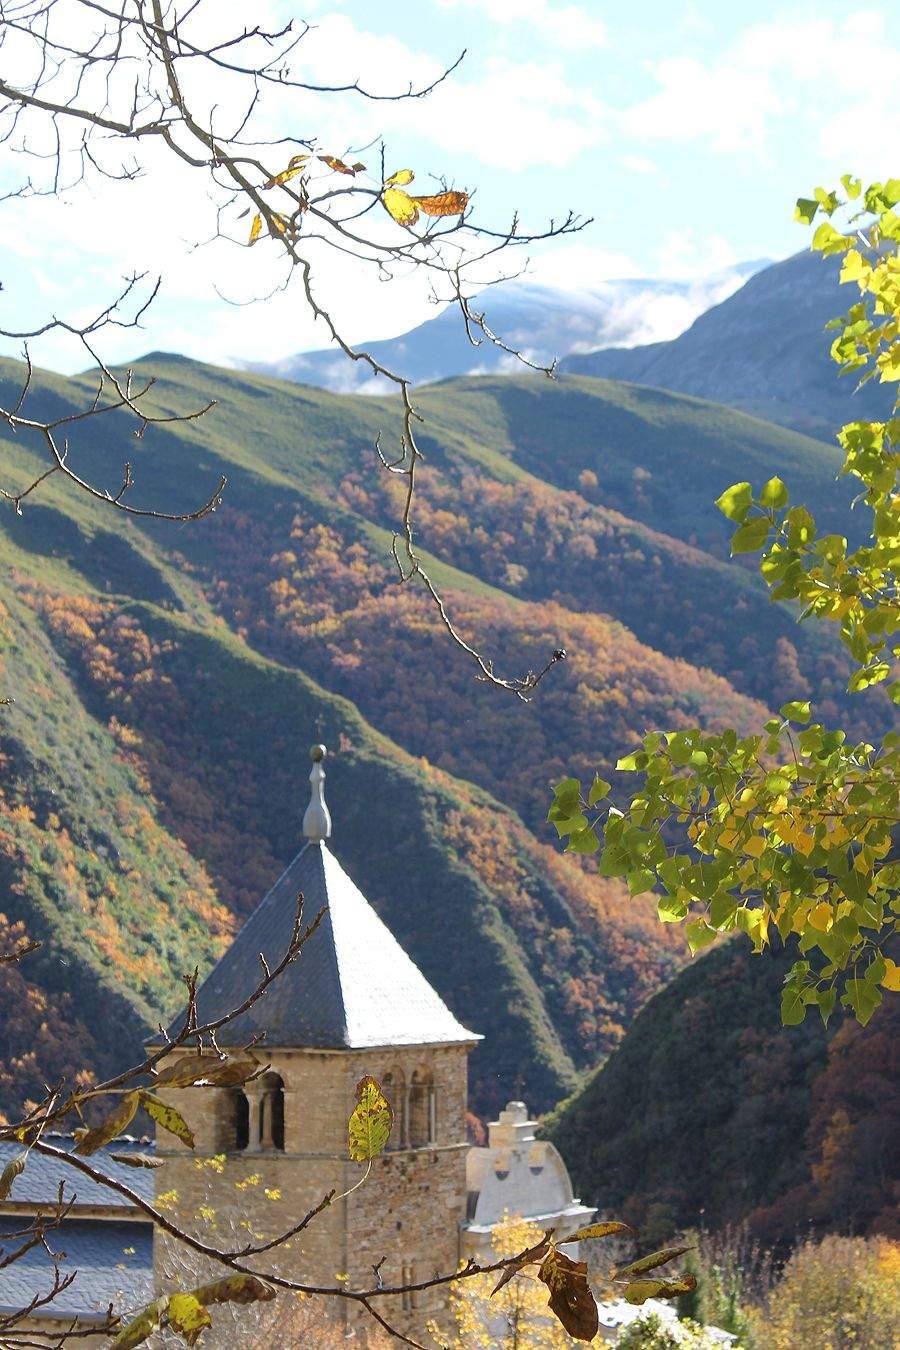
(764, 350)
(542, 322)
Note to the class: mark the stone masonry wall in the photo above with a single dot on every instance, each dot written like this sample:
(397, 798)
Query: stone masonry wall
(408, 1211)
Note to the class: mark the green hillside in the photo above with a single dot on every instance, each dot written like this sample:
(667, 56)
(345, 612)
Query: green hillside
(711, 1112)
(169, 678)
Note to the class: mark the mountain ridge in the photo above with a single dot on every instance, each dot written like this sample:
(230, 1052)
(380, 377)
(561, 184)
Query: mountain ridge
(764, 349)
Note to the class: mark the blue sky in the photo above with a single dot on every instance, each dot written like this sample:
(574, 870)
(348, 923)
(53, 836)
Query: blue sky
(685, 130)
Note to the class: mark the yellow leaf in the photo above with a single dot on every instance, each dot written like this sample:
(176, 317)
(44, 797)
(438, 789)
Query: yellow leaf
(444, 203)
(891, 975)
(255, 229)
(140, 1328)
(188, 1316)
(821, 917)
(369, 1127)
(400, 205)
(235, 1289)
(13, 1169)
(286, 174)
(167, 1117)
(400, 178)
(755, 846)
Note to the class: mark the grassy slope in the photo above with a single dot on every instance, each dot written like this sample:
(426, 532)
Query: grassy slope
(94, 824)
(230, 731)
(544, 960)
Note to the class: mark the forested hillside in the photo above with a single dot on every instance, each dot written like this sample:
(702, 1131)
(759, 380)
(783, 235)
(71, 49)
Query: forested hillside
(168, 679)
(797, 1124)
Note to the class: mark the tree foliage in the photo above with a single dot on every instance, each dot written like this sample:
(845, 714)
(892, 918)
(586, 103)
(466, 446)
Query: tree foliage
(789, 831)
(838, 1294)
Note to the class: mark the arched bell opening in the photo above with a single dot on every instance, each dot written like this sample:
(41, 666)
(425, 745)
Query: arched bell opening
(270, 1119)
(422, 1109)
(240, 1120)
(393, 1085)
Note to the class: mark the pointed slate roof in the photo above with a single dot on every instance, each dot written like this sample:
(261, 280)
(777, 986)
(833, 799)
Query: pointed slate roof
(352, 987)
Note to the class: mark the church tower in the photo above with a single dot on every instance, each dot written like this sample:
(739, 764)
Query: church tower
(352, 1003)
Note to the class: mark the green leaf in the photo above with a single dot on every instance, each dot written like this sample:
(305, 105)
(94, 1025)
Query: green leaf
(699, 935)
(598, 1230)
(736, 501)
(140, 1328)
(599, 789)
(369, 1126)
(671, 910)
(640, 1290)
(641, 880)
(793, 1005)
(584, 841)
(863, 997)
(651, 1262)
(774, 494)
(795, 712)
(805, 210)
(751, 535)
(632, 763)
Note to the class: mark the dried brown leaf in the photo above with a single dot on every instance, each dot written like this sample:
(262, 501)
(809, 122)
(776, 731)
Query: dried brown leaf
(443, 203)
(119, 1118)
(571, 1299)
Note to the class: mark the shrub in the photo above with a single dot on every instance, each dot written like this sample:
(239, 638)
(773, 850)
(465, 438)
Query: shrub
(651, 1332)
(837, 1294)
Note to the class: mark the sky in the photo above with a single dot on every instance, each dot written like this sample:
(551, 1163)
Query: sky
(684, 130)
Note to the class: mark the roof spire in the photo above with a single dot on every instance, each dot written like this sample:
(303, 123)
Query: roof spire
(317, 819)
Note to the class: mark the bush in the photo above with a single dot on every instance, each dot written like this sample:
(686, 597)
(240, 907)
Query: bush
(651, 1332)
(837, 1294)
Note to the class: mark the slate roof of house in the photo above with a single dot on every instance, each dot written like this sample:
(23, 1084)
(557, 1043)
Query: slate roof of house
(39, 1183)
(352, 987)
(112, 1262)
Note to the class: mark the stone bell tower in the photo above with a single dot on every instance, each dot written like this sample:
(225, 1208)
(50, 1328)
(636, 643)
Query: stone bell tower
(352, 1003)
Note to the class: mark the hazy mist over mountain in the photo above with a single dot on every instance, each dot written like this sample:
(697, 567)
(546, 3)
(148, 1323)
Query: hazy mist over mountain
(544, 323)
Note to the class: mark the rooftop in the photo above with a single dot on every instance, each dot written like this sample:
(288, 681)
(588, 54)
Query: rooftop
(352, 987)
(40, 1181)
(112, 1262)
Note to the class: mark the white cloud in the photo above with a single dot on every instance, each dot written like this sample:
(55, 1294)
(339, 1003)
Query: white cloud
(826, 76)
(96, 237)
(688, 255)
(563, 25)
(509, 114)
(576, 266)
(728, 104)
(638, 164)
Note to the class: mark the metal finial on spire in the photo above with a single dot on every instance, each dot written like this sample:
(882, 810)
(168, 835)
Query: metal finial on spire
(317, 819)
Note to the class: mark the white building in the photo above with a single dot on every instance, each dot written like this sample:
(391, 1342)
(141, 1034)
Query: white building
(519, 1175)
